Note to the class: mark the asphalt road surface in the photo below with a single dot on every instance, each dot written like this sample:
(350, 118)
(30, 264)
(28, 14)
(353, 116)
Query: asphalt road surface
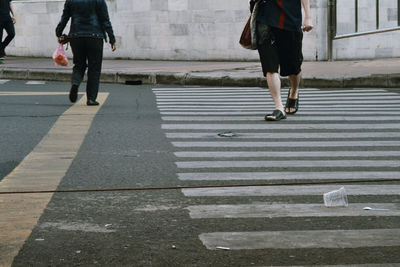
(208, 182)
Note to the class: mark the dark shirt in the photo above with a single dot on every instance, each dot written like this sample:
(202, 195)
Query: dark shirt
(281, 14)
(5, 10)
(89, 18)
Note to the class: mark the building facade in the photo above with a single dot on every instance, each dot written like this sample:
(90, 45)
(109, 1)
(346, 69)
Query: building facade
(207, 29)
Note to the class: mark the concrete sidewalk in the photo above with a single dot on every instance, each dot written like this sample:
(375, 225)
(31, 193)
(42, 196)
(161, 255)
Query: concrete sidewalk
(384, 73)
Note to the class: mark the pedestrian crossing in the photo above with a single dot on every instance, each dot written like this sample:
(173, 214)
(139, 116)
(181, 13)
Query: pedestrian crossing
(336, 135)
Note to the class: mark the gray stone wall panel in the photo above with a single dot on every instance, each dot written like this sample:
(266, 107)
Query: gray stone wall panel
(202, 29)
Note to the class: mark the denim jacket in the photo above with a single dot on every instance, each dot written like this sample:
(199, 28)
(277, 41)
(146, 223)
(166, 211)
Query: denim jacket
(89, 18)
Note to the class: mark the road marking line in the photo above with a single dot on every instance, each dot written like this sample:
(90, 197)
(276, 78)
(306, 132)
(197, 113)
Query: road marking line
(295, 118)
(155, 90)
(262, 109)
(300, 190)
(42, 169)
(35, 82)
(294, 154)
(291, 136)
(240, 89)
(302, 239)
(287, 164)
(268, 210)
(348, 106)
(280, 126)
(289, 143)
(262, 113)
(265, 102)
(226, 176)
(263, 95)
(256, 99)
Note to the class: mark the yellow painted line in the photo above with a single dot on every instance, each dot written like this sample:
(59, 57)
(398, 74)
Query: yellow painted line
(3, 93)
(42, 169)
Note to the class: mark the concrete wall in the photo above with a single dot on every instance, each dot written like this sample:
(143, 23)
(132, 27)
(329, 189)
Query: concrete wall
(184, 30)
(382, 45)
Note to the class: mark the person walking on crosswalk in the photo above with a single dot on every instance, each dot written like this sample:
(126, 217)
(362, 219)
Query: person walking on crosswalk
(279, 43)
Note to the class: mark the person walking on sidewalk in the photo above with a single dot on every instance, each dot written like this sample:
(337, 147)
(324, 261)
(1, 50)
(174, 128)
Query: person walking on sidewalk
(279, 43)
(89, 24)
(7, 21)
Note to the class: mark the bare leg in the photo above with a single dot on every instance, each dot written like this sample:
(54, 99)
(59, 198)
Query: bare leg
(274, 85)
(294, 81)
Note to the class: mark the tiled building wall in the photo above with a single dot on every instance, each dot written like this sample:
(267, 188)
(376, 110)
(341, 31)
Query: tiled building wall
(190, 30)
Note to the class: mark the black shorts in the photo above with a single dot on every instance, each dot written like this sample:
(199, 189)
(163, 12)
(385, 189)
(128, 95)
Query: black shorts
(279, 50)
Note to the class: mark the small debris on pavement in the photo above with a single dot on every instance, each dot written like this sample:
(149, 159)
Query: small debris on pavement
(108, 225)
(227, 134)
(78, 252)
(39, 239)
(223, 248)
(173, 247)
(369, 208)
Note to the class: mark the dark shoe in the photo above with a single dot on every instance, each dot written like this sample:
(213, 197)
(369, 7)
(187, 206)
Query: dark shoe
(279, 115)
(73, 93)
(292, 104)
(92, 103)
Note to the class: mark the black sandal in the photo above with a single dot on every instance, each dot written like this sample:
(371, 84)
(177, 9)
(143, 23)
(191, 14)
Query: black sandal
(279, 115)
(292, 104)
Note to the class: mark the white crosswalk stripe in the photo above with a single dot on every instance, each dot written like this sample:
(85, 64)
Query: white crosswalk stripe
(300, 190)
(247, 135)
(35, 82)
(291, 126)
(303, 239)
(284, 164)
(260, 114)
(386, 108)
(253, 118)
(4, 81)
(267, 210)
(339, 135)
(320, 175)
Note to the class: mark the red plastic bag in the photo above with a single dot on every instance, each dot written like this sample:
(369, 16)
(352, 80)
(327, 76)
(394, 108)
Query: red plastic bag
(59, 56)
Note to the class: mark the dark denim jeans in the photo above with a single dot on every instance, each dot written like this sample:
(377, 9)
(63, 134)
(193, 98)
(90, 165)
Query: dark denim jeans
(9, 27)
(88, 53)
